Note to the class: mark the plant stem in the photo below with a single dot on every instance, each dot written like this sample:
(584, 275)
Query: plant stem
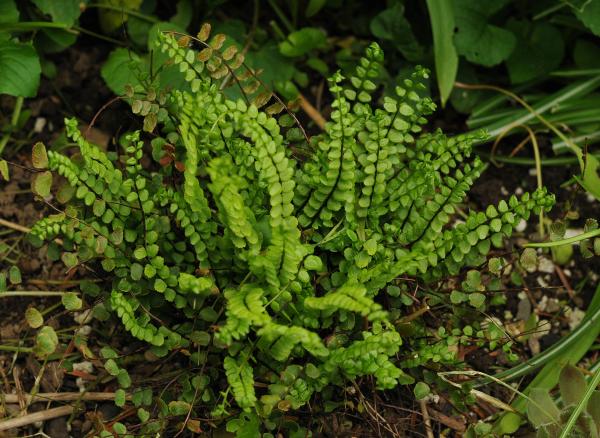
(13, 122)
(574, 239)
(524, 161)
(125, 11)
(281, 16)
(33, 25)
(529, 366)
(17, 349)
(99, 36)
(33, 293)
(582, 403)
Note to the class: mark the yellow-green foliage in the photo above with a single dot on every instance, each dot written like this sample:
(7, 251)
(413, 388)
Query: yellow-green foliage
(281, 263)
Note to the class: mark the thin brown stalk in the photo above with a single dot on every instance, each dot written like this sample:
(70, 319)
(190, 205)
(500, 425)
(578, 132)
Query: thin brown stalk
(61, 397)
(28, 419)
(312, 112)
(426, 418)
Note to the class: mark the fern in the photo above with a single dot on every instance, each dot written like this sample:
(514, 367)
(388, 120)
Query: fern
(283, 264)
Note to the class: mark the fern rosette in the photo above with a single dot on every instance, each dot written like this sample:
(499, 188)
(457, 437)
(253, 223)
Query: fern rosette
(284, 266)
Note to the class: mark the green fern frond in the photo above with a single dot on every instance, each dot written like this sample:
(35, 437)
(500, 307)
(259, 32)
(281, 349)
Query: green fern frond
(240, 377)
(350, 297)
(279, 341)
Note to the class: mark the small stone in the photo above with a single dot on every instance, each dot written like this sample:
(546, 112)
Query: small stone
(545, 265)
(40, 123)
(84, 317)
(521, 226)
(574, 316)
(84, 330)
(519, 191)
(84, 366)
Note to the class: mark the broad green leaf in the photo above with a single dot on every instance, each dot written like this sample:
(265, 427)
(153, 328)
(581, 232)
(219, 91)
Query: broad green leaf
(119, 428)
(34, 318)
(63, 11)
(20, 67)
(313, 263)
(178, 407)
(4, 170)
(590, 179)
(572, 385)
(143, 415)
(590, 15)
(529, 259)
(108, 353)
(120, 397)
(480, 42)
(184, 14)
(476, 299)
(313, 7)
(593, 407)
(111, 367)
(441, 15)
(123, 378)
(70, 259)
(111, 20)
(138, 30)
(302, 41)
(53, 41)
(391, 25)
(8, 12)
(586, 54)
(540, 408)
(121, 68)
(14, 275)
(39, 157)
(421, 390)
(46, 342)
(71, 301)
(540, 50)
(276, 67)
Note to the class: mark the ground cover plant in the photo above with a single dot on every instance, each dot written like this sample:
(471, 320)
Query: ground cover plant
(273, 230)
(268, 263)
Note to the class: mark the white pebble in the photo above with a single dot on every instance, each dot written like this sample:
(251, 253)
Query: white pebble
(521, 226)
(542, 282)
(575, 316)
(84, 366)
(39, 125)
(83, 317)
(84, 330)
(545, 265)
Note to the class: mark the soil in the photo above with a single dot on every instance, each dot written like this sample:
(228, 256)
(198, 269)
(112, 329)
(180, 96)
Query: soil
(79, 90)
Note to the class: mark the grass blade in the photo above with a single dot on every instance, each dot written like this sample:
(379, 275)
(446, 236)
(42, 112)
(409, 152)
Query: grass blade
(446, 59)
(569, 350)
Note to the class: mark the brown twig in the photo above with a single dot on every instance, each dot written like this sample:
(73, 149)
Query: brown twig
(14, 226)
(451, 422)
(564, 281)
(21, 228)
(426, 418)
(20, 395)
(28, 419)
(106, 105)
(61, 397)
(312, 112)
